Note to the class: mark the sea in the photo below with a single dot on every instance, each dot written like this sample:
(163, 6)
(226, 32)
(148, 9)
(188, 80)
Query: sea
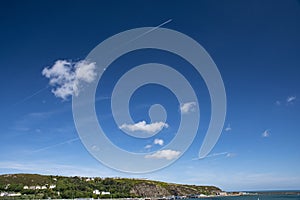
(255, 197)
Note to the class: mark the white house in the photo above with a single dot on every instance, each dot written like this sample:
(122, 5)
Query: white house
(52, 186)
(37, 187)
(104, 193)
(89, 179)
(25, 187)
(14, 194)
(32, 187)
(3, 194)
(44, 187)
(96, 192)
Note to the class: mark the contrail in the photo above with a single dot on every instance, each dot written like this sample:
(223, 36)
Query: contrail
(143, 34)
(41, 90)
(147, 32)
(139, 36)
(153, 29)
(30, 96)
(55, 145)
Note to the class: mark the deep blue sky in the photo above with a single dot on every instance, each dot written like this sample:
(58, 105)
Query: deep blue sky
(255, 44)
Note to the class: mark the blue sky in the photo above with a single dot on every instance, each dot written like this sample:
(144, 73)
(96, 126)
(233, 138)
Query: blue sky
(255, 45)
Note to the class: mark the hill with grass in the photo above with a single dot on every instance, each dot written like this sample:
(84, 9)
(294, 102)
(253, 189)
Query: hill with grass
(42, 186)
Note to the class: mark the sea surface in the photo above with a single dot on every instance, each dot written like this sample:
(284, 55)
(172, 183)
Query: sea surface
(255, 197)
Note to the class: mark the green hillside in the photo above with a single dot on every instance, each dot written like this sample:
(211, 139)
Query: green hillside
(40, 186)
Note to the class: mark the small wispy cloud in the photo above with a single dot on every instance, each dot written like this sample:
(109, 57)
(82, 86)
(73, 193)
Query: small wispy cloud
(31, 121)
(220, 154)
(230, 155)
(188, 107)
(164, 154)
(144, 127)
(217, 154)
(66, 76)
(290, 99)
(266, 133)
(228, 128)
(159, 142)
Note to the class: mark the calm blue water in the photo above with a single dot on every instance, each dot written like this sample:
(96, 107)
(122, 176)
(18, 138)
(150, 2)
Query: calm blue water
(261, 197)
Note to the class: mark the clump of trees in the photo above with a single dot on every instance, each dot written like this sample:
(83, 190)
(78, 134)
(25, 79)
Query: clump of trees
(69, 187)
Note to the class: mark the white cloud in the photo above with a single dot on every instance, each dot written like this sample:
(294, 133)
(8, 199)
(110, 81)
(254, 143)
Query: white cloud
(291, 99)
(228, 128)
(95, 148)
(159, 142)
(226, 154)
(85, 71)
(188, 107)
(164, 154)
(230, 155)
(266, 133)
(144, 127)
(155, 142)
(66, 76)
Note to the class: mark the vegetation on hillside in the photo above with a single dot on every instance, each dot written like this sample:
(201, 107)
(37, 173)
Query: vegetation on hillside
(40, 186)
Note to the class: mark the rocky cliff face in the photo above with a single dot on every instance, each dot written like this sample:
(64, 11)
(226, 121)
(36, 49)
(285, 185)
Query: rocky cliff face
(149, 190)
(158, 189)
